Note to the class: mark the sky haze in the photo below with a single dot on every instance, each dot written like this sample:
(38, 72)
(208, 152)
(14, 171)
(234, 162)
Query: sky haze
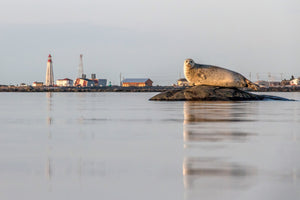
(147, 38)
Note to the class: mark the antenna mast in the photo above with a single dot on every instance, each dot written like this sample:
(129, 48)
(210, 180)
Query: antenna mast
(80, 67)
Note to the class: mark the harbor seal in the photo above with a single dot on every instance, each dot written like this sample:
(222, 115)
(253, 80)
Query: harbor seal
(199, 74)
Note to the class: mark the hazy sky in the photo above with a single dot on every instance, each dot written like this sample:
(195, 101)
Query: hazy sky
(147, 38)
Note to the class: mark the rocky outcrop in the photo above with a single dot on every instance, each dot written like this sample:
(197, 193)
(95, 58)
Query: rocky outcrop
(211, 93)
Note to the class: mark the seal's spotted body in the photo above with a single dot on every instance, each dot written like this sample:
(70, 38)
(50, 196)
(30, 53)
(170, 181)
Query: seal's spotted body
(198, 74)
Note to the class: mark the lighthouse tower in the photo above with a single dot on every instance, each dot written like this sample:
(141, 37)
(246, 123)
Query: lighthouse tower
(49, 72)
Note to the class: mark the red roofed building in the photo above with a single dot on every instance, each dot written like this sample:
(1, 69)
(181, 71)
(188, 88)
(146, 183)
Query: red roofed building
(37, 84)
(137, 82)
(64, 82)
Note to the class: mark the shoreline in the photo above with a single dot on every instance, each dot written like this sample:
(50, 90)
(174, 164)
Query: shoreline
(124, 89)
(88, 89)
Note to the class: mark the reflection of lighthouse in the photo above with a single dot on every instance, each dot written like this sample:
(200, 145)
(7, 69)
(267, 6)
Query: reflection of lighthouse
(49, 72)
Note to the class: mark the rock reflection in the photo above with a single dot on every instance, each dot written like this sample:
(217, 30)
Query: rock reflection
(215, 112)
(196, 135)
(215, 121)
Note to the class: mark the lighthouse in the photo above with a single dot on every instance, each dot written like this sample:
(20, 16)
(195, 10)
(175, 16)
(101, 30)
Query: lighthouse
(49, 72)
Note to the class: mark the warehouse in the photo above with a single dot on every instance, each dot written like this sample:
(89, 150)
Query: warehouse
(136, 82)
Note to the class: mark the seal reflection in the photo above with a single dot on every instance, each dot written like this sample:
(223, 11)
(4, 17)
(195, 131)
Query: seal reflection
(209, 130)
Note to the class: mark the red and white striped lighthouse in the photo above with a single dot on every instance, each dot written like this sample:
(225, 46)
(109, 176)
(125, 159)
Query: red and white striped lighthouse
(49, 72)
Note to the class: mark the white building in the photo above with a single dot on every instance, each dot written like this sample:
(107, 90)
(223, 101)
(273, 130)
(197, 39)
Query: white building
(37, 84)
(182, 82)
(295, 81)
(64, 82)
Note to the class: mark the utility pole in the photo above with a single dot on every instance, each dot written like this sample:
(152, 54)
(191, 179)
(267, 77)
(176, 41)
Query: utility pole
(281, 76)
(120, 79)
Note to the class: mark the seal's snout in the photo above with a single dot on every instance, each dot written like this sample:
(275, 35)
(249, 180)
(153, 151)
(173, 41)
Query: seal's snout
(189, 62)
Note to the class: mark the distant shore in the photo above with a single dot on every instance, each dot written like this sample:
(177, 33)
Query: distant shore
(123, 89)
(86, 89)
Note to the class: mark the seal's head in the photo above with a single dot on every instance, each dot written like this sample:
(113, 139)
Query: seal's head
(189, 63)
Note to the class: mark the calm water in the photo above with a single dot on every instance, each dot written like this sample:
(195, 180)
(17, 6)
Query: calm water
(122, 146)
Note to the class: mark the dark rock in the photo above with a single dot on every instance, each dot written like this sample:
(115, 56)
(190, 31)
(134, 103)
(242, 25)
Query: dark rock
(211, 93)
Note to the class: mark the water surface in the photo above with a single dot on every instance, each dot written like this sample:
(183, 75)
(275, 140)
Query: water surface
(122, 146)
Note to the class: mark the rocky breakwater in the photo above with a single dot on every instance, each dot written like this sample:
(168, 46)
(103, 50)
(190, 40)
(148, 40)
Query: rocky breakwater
(212, 93)
(85, 89)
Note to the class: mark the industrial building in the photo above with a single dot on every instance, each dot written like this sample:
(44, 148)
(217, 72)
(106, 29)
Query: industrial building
(98, 82)
(93, 82)
(83, 82)
(64, 82)
(102, 82)
(137, 82)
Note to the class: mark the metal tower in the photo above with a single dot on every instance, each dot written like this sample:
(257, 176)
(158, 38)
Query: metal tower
(80, 67)
(49, 72)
